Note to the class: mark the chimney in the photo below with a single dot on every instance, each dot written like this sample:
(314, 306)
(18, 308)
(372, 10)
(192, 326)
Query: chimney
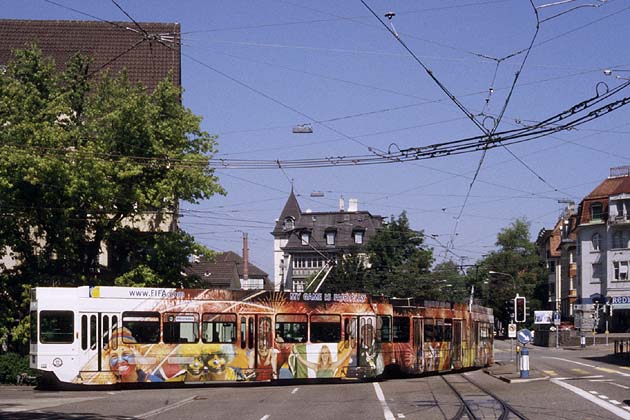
(353, 205)
(245, 258)
(341, 204)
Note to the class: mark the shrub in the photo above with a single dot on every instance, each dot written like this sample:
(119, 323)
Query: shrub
(12, 365)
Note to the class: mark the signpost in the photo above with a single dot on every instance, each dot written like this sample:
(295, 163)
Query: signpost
(524, 337)
(556, 322)
(512, 336)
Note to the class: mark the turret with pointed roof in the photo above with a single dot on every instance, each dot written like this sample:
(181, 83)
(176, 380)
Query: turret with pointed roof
(290, 214)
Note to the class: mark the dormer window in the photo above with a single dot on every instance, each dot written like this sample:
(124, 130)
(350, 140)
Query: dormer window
(596, 211)
(358, 237)
(330, 237)
(289, 223)
(305, 236)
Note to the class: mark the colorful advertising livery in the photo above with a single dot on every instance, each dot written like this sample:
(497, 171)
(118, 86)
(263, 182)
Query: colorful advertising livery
(117, 335)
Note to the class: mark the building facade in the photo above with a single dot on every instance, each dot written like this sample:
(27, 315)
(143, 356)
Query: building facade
(306, 244)
(603, 253)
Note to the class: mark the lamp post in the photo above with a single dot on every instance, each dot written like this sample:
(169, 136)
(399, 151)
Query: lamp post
(610, 72)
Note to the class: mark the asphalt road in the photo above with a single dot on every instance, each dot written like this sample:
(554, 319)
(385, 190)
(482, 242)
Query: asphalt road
(582, 384)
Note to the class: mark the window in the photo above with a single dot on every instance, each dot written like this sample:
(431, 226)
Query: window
(181, 327)
(358, 237)
(305, 238)
(401, 329)
(429, 330)
(298, 285)
(144, 327)
(597, 210)
(291, 328)
(325, 328)
(618, 239)
(330, 237)
(56, 327)
(289, 224)
(621, 270)
(597, 270)
(219, 328)
(595, 241)
(384, 329)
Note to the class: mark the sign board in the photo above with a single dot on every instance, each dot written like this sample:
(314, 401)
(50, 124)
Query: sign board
(543, 317)
(512, 331)
(524, 336)
(556, 318)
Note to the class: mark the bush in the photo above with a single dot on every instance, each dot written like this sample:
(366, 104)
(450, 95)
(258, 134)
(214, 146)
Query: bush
(12, 365)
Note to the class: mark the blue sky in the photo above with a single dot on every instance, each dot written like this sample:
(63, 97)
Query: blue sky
(255, 69)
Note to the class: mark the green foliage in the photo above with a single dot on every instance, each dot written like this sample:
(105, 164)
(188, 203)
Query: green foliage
(12, 365)
(399, 265)
(517, 269)
(448, 283)
(349, 274)
(90, 162)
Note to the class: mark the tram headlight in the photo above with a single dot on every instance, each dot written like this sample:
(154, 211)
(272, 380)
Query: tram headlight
(57, 362)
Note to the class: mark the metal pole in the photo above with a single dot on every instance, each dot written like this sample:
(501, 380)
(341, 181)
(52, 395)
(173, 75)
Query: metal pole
(557, 334)
(606, 332)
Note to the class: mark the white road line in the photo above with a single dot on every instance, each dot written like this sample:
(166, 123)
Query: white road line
(603, 397)
(620, 386)
(265, 417)
(600, 380)
(381, 397)
(294, 390)
(615, 402)
(587, 365)
(165, 408)
(604, 404)
(594, 392)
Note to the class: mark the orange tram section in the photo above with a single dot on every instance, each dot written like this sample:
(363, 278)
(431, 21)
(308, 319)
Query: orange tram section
(115, 335)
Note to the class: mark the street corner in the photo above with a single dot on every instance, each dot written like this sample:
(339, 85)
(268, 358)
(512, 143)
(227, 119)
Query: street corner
(507, 372)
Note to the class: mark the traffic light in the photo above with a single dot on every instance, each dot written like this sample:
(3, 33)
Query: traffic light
(519, 309)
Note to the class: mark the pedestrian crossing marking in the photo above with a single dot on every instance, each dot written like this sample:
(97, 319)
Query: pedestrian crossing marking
(580, 371)
(550, 372)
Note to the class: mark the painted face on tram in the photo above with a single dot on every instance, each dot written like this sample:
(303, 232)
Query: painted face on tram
(123, 361)
(195, 367)
(216, 363)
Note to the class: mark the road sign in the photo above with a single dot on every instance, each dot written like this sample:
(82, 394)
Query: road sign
(512, 331)
(524, 336)
(556, 318)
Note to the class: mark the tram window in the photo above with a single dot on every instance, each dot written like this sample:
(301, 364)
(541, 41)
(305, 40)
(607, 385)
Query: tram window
(429, 330)
(105, 329)
(448, 329)
(325, 328)
(439, 330)
(291, 328)
(384, 329)
(243, 333)
(401, 329)
(144, 327)
(250, 333)
(219, 328)
(84, 332)
(33, 327)
(56, 327)
(93, 332)
(181, 327)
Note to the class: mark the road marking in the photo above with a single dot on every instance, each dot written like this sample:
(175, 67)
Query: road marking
(381, 397)
(600, 380)
(620, 386)
(615, 402)
(580, 371)
(603, 397)
(401, 416)
(265, 417)
(550, 372)
(587, 365)
(594, 392)
(607, 370)
(31, 404)
(294, 390)
(165, 408)
(604, 404)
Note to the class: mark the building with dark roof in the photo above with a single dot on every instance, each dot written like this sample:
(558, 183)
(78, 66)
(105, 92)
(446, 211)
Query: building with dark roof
(308, 243)
(149, 53)
(603, 253)
(229, 270)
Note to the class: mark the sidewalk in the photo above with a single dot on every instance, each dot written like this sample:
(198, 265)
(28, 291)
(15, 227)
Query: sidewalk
(506, 371)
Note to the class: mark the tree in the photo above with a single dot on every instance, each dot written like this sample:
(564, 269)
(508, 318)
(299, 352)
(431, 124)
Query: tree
(348, 274)
(515, 268)
(82, 162)
(448, 283)
(399, 264)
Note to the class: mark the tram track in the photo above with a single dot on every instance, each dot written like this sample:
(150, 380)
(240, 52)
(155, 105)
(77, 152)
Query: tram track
(478, 402)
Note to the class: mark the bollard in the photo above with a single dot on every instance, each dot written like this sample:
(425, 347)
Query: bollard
(582, 340)
(524, 362)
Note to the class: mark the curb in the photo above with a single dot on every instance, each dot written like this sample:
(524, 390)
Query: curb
(510, 380)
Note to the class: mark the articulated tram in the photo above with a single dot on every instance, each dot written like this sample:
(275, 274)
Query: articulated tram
(116, 335)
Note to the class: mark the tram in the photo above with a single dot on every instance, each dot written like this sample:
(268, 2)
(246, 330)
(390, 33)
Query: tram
(84, 336)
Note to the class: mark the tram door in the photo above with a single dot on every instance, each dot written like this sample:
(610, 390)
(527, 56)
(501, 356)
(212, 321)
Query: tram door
(457, 344)
(95, 339)
(256, 339)
(418, 341)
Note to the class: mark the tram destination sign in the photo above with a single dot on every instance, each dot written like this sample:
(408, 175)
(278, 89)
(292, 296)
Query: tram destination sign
(329, 297)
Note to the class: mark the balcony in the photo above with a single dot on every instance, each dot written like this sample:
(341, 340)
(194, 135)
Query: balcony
(619, 219)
